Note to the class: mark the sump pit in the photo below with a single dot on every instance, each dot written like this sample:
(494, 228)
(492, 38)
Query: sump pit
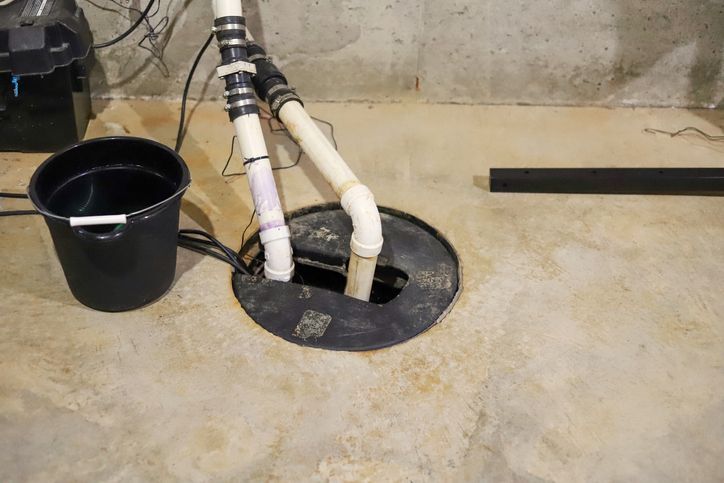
(388, 283)
(417, 281)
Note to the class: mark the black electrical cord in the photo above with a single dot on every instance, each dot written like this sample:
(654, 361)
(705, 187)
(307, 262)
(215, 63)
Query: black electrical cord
(19, 196)
(18, 213)
(251, 222)
(251, 260)
(184, 98)
(208, 249)
(209, 253)
(128, 32)
(210, 239)
(209, 245)
(201, 247)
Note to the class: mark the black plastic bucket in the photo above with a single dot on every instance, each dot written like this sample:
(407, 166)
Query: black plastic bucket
(130, 262)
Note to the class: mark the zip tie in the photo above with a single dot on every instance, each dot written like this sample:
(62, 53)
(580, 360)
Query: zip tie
(254, 160)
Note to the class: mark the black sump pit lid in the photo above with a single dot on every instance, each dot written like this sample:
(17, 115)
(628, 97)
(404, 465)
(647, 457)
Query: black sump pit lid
(417, 281)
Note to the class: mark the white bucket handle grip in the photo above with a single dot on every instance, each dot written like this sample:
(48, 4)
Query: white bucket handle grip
(98, 220)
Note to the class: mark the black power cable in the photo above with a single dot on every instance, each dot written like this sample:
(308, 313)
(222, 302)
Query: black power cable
(18, 213)
(203, 251)
(128, 32)
(251, 222)
(182, 120)
(208, 245)
(212, 241)
(20, 196)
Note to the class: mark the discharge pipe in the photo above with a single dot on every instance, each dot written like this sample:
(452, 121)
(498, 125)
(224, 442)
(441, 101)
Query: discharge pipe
(236, 70)
(357, 200)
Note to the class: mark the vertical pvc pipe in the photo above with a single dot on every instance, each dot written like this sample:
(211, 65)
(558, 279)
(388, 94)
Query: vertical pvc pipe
(273, 232)
(227, 8)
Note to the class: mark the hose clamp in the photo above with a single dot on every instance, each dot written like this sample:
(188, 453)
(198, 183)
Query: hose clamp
(235, 68)
(238, 104)
(228, 26)
(276, 88)
(258, 57)
(238, 91)
(232, 43)
(278, 102)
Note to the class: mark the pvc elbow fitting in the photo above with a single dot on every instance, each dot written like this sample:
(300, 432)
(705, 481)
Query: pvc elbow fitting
(359, 203)
(279, 264)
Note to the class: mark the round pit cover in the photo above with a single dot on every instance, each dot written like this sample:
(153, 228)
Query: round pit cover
(418, 279)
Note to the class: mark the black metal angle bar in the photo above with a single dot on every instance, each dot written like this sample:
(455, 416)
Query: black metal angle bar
(623, 181)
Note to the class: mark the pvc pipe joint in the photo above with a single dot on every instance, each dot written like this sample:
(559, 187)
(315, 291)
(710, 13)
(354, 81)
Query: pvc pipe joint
(274, 234)
(359, 203)
(277, 250)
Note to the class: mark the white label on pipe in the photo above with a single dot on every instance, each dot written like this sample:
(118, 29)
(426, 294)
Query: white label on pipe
(98, 220)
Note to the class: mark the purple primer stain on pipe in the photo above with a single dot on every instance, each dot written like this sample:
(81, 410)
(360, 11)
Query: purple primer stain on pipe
(271, 225)
(265, 195)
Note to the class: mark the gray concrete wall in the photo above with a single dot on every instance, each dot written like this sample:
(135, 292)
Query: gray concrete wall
(560, 52)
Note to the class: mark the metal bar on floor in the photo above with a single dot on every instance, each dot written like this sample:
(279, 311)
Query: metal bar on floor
(621, 181)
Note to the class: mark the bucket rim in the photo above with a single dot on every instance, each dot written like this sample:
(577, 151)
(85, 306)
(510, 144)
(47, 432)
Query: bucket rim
(184, 184)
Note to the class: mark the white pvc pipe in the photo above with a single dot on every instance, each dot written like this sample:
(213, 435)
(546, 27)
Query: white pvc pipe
(313, 141)
(361, 275)
(357, 200)
(227, 8)
(273, 231)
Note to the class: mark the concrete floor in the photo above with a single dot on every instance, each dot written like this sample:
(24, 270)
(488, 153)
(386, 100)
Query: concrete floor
(588, 344)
